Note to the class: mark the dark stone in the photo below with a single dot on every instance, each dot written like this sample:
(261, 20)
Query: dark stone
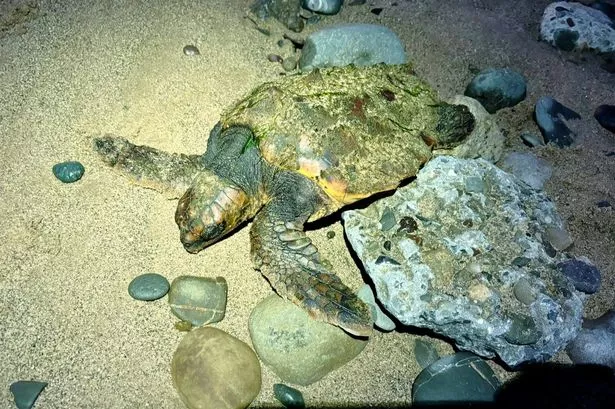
(605, 115)
(565, 39)
(25, 393)
(330, 234)
(68, 172)
(497, 88)
(585, 276)
(550, 116)
(191, 50)
(455, 379)
(523, 330)
(291, 398)
(377, 10)
(148, 287)
(603, 203)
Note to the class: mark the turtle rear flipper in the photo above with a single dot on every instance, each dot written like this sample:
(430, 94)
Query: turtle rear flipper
(291, 263)
(168, 173)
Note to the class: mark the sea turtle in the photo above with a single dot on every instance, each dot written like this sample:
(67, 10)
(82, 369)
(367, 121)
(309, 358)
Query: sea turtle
(295, 150)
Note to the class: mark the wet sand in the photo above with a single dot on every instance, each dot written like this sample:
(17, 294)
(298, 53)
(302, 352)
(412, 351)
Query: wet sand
(68, 252)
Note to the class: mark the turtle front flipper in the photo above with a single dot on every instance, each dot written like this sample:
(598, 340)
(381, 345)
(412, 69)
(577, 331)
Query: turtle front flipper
(168, 173)
(291, 263)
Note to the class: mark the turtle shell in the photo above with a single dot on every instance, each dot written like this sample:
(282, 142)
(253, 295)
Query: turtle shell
(352, 130)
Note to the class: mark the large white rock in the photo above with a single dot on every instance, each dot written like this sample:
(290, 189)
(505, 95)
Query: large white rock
(573, 26)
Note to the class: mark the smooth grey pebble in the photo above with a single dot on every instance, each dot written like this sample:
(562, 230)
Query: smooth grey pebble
(68, 172)
(191, 50)
(148, 287)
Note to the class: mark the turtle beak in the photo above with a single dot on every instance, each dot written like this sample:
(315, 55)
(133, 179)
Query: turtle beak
(208, 211)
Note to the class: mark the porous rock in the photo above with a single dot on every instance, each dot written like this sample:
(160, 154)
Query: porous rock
(485, 141)
(466, 233)
(574, 26)
(297, 348)
(213, 369)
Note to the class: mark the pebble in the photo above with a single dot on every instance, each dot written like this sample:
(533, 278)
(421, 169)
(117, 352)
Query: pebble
(522, 330)
(358, 44)
(497, 88)
(298, 348)
(289, 63)
(387, 221)
(381, 320)
(291, 398)
(558, 237)
(68, 172)
(523, 291)
(148, 287)
(584, 275)
(25, 393)
(191, 50)
(605, 115)
(548, 114)
(198, 300)
(213, 369)
(329, 7)
(330, 234)
(455, 379)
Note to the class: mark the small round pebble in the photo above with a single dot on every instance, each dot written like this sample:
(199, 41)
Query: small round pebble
(330, 234)
(291, 398)
(497, 88)
(25, 393)
(148, 287)
(289, 63)
(558, 237)
(191, 50)
(523, 291)
(68, 172)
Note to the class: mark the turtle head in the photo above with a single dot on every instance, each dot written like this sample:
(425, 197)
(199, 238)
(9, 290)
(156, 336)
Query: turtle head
(209, 210)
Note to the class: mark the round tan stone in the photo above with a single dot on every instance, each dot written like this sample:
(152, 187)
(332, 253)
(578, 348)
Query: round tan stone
(212, 369)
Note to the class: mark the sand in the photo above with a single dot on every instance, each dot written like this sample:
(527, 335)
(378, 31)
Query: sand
(81, 69)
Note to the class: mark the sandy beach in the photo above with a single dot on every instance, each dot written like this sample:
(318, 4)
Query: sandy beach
(81, 69)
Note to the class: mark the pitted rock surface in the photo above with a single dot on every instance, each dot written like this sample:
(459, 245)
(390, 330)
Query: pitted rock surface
(465, 258)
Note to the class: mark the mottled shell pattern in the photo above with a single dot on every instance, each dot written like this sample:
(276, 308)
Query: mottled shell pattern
(354, 131)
